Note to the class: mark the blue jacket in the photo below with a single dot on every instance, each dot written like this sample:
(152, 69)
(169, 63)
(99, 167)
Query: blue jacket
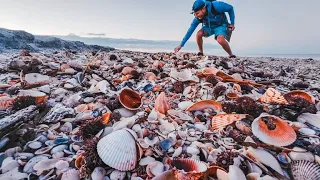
(211, 20)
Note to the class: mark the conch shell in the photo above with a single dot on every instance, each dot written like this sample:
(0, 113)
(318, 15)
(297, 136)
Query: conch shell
(161, 104)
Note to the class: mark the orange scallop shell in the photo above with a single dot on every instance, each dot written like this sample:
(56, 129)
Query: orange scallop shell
(5, 102)
(300, 94)
(282, 135)
(222, 120)
(79, 161)
(106, 118)
(130, 99)
(272, 96)
(205, 104)
(127, 70)
(224, 75)
(161, 104)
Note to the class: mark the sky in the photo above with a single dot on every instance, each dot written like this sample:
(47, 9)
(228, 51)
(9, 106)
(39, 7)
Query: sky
(262, 26)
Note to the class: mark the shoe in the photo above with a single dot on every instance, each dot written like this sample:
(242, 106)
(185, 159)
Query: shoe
(200, 54)
(232, 56)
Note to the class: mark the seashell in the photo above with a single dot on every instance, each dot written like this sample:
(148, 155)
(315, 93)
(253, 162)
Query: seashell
(264, 157)
(307, 131)
(222, 120)
(192, 150)
(213, 172)
(59, 154)
(188, 168)
(236, 88)
(106, 118)
(39, 96)
(283, 158)
(177, 152)
(63, 67)
(158, 64)
(98, 173)
(118, 150)
(59, 141)
(127, 70)
(117, 175)
(81, 108)
(155, 168)
(166, 127)
(161, 104)
(76, 138)
(52, 127)
(277, 132)
(232, 95)
(79, 161)
(5, 102)
(124, 122)
(272, 96)
(13, 174)
(313, 119)
(36, 79)
(8, 164)
(152, 142)
(305, 170)
(165, 175)
(236, 173)
(71, 174)
(130, 99)
(296, 156)
(253, 176)
(62, 164)
(45, 89)
(58, 148)
(35, 145)
(28, 168)
(185, 104)
(43, 150)
(210, 70)
(184, 75)
(147, 160)
(12, 151)
(57, 113)
(205, 104)
(150, 76)
(66, 127)
(298, 93)
(297, 125)
(45, 164)
(244, 127)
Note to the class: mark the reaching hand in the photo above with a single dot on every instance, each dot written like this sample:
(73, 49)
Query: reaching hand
(232, 27)
(177, 49)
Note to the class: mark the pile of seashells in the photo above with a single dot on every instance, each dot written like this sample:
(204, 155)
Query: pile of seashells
(132, 115)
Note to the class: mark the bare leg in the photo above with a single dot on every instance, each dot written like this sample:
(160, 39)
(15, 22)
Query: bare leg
(199, 39)
(225, 45)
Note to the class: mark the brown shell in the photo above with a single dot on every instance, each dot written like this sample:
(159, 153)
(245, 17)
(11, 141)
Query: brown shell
(161, 104)
(232, 95)
(188, 168)
(205, 104)
(106, 118)
(222, 120)
(127, 70)
(300, 94)
(272, 96)
(130, 99)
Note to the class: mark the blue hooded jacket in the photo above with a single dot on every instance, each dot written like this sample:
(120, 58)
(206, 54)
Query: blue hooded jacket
(211, 20)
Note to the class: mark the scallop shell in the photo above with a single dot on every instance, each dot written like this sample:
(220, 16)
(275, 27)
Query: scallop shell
(130, 99)
(301, 155)
(313, 119)
(305, 170)
(155, 168)
(298, 93)
(71, 174)
(5, 102)
(188, 168)
(282, 135)
(205, 104)
(117, 175)
(161, 104)
(272, 96)
(213, 172)
(222, 120)
(118, 150)
(36, 78)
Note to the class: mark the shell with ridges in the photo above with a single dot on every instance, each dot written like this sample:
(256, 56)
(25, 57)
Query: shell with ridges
(305, 170)
(161, 103)
(272, 96)
(222, 120)
(71, 174)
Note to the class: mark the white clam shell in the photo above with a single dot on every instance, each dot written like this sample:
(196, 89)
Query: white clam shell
(28, 168)
(177, 152)
(71, 174)
(118, 150)
(146, 160)
(45, 164)
(152, 142)
(307, 131)
(13, 174)
(185, 104)
(124, 123)
(192, 150)
(155, 168)
(66, 127)
(313, 119)
(58, 148)
(62, 164)
(235, 173)
(295, 156)
(35, 145)
(8, 164)
(305, 170)
(98, 173)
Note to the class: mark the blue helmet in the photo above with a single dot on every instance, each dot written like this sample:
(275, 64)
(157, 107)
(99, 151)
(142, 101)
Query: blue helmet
(198, 5)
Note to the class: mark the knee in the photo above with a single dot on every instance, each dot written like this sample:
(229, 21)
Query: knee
(220, 39)
(200, 34)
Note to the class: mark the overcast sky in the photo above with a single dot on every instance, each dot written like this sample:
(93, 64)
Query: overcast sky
(262, 26)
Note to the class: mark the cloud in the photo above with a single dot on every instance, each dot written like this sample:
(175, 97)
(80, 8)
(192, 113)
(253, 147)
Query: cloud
(96, 34)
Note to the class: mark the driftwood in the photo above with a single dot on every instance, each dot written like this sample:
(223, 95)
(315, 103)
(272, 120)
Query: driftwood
(20, 116)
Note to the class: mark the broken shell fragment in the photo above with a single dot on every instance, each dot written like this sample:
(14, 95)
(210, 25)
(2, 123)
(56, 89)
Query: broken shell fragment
(161, 103)
(130, 99)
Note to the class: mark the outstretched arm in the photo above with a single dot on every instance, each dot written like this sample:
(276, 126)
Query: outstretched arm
(191, 29)
(224, 7)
